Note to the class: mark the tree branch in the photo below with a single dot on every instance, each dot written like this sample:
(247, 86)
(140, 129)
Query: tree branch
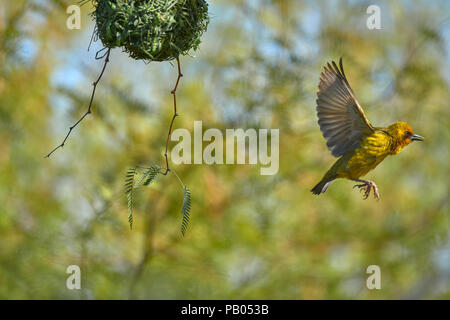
(175, 114)
(89, 108)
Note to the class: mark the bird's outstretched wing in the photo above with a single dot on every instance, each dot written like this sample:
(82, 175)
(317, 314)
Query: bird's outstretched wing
(341, 118)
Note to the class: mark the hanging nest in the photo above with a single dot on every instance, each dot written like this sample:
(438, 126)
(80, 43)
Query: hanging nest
(152, 30)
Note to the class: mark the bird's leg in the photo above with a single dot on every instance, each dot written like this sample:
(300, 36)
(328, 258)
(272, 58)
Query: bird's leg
(367, 186)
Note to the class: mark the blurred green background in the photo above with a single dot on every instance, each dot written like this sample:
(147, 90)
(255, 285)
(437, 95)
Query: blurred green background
(250, 236)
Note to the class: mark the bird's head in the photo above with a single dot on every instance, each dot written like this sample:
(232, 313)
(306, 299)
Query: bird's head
(402, 135)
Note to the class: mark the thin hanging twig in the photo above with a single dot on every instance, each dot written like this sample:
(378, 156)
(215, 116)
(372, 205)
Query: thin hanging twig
(175, 114)
(89, 108)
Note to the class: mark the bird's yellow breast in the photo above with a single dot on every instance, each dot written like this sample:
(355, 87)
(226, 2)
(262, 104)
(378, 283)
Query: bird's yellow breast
(358, 162)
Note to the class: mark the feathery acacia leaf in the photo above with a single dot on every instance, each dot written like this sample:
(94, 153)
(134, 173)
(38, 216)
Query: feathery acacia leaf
(148, 176)
(155, 170)
(129, 185)
(186, 210)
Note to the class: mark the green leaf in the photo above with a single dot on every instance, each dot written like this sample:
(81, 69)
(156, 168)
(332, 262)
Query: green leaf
(129, 185)
(148, 176)
(186, 210)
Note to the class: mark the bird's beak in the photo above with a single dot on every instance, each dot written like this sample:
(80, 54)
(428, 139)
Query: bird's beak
(417, 137)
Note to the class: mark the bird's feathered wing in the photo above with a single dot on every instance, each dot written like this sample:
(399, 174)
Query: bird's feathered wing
(341, 118)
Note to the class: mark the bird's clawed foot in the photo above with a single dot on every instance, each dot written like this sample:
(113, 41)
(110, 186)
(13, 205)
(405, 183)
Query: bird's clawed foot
(366, 186)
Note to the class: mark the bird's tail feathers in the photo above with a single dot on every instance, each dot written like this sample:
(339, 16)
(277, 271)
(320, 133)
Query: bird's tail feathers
(322, 186)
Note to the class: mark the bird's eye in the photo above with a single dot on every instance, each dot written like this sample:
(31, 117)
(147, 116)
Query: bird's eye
(408, 133)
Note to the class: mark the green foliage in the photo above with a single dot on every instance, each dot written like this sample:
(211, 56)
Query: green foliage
(145, 179)
(154, 30)
(129, 186)
(186, 210)
(149, 175)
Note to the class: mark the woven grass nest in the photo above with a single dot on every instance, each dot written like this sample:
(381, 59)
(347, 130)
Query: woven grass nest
(151, 30)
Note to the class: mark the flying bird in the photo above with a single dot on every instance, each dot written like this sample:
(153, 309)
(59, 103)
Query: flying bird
(349, 134)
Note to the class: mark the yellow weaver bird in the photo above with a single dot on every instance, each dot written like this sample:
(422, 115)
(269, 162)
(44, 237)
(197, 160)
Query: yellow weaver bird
(350, 136)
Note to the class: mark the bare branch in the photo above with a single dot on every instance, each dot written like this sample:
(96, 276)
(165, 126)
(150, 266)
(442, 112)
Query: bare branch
(175, 114)
(89, 108)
